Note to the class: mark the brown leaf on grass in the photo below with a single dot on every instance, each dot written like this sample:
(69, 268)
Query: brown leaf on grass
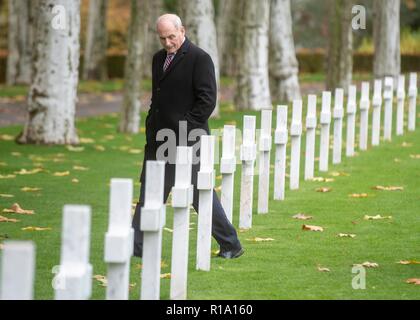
(109, 137)
(134, 151)
(377, 217)
(408, 262)
(4, 219)
(61, 174)
(6, 137)
(29, 189)
(343, 235)
(24, 171)
(75, 180)
(367, 264)
(103, 281)
(219, 188)
(406, 144)
(257, 239)
(8, 176)
(80, 168)
(415, 281)
(307, 227)
(322, 179)
(15, 208)
(169, 230)
(5, 195)
(390, 188)
(323, 189)
(323, 269)
(358, 195)
(301, 216)
(87, 140)
(397, 160)
(3, 164)
(415, 156)
(338, 174)
(30, 228)
(75, 149)
(99, 148)
(16, 154)
(165, 276)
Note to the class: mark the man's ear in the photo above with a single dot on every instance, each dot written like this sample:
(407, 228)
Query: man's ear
(183, 30)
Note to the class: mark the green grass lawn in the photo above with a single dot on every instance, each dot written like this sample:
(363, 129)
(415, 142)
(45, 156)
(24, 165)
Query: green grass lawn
(285, 268)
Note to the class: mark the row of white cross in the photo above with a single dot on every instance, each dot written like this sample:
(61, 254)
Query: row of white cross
(74, 278)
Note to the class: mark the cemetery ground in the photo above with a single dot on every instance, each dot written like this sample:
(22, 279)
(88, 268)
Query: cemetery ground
(281, 260)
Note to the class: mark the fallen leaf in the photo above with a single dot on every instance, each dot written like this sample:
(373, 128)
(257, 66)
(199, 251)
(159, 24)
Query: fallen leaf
(322, 269)
(3, 164)
(415, 156)
(390, 188)
(415, 281)
(134, 151)
(15, 208)
(408, 262)
(61, 174)
(101, 279)
(323, 189)
(243, 230)
(366, 264)
(302, 216)
(35, 229)
(75, 180)
(322, 179)
(165, 276)
(337, 174)
(397, 160)
(24, 171)
(75, 149)
(87, 140)
(16, 154)
(29, 189)
(6, 137)
(215, 253)
(4, 195)
(406, 144)
(80, 168)
(377, 217)
(4, 219)
(169, 230)
(312, 228)
(109, 137)
(349, 235)
(257, 239)
(358, 195)
(219, 188)
(9, 176)
(100, 148)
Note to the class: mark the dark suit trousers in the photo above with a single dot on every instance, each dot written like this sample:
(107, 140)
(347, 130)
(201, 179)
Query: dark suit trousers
(222, 230)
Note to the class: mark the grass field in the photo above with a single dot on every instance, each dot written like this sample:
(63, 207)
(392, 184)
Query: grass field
(285, 268)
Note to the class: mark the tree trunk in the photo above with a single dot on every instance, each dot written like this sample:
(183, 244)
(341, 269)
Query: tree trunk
(94, 63)
(340, 47)
(153, 9)
(253, 90)
(20, 41)
(53, 91)
(201, 29)
(227, 19)
(284, 81)
(386, 35)
(130, 111)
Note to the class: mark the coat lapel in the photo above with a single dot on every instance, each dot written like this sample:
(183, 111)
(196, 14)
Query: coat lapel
(178, 57)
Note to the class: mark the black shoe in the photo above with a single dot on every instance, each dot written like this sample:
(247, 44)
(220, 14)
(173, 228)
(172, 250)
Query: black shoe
(232, 254)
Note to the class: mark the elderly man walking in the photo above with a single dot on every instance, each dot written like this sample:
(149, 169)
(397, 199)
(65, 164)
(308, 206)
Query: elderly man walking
(184, 89)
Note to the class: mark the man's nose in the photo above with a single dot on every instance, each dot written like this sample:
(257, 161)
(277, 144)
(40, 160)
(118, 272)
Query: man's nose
(167, 42)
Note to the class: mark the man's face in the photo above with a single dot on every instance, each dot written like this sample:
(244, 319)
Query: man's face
(170, 37)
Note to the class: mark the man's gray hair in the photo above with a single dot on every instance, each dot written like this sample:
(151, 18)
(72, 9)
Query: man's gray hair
(170, 17)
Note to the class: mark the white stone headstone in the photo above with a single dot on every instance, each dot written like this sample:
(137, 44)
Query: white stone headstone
(205, 185)
(227, 169)
(412, 99)
(311, 123)
(388, 97)
(351, 120)
(295, 133)
(182, 197)
(338, 114)
(376, 113)
(264, 161)
(17, 270)
(364, 116)
(400, 105)
(325, 121)
(248, 155)
(119, 239)
(74, 279)
(280, 140)
(153, 218)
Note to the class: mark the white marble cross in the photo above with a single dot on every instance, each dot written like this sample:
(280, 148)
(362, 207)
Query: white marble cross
(351, 120)
(248, 155)
(119, 239)
(17, 270)
(74, 279)
(376, 113)
(227, 169)
(400, 105)
(364, 116)
(295, 133)
(338, 114)
(153, 218)
(325, 121)
(412, 100)
(182, 197)
(280, 140)
(264, 161)
(388, 96)
(205, 185)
